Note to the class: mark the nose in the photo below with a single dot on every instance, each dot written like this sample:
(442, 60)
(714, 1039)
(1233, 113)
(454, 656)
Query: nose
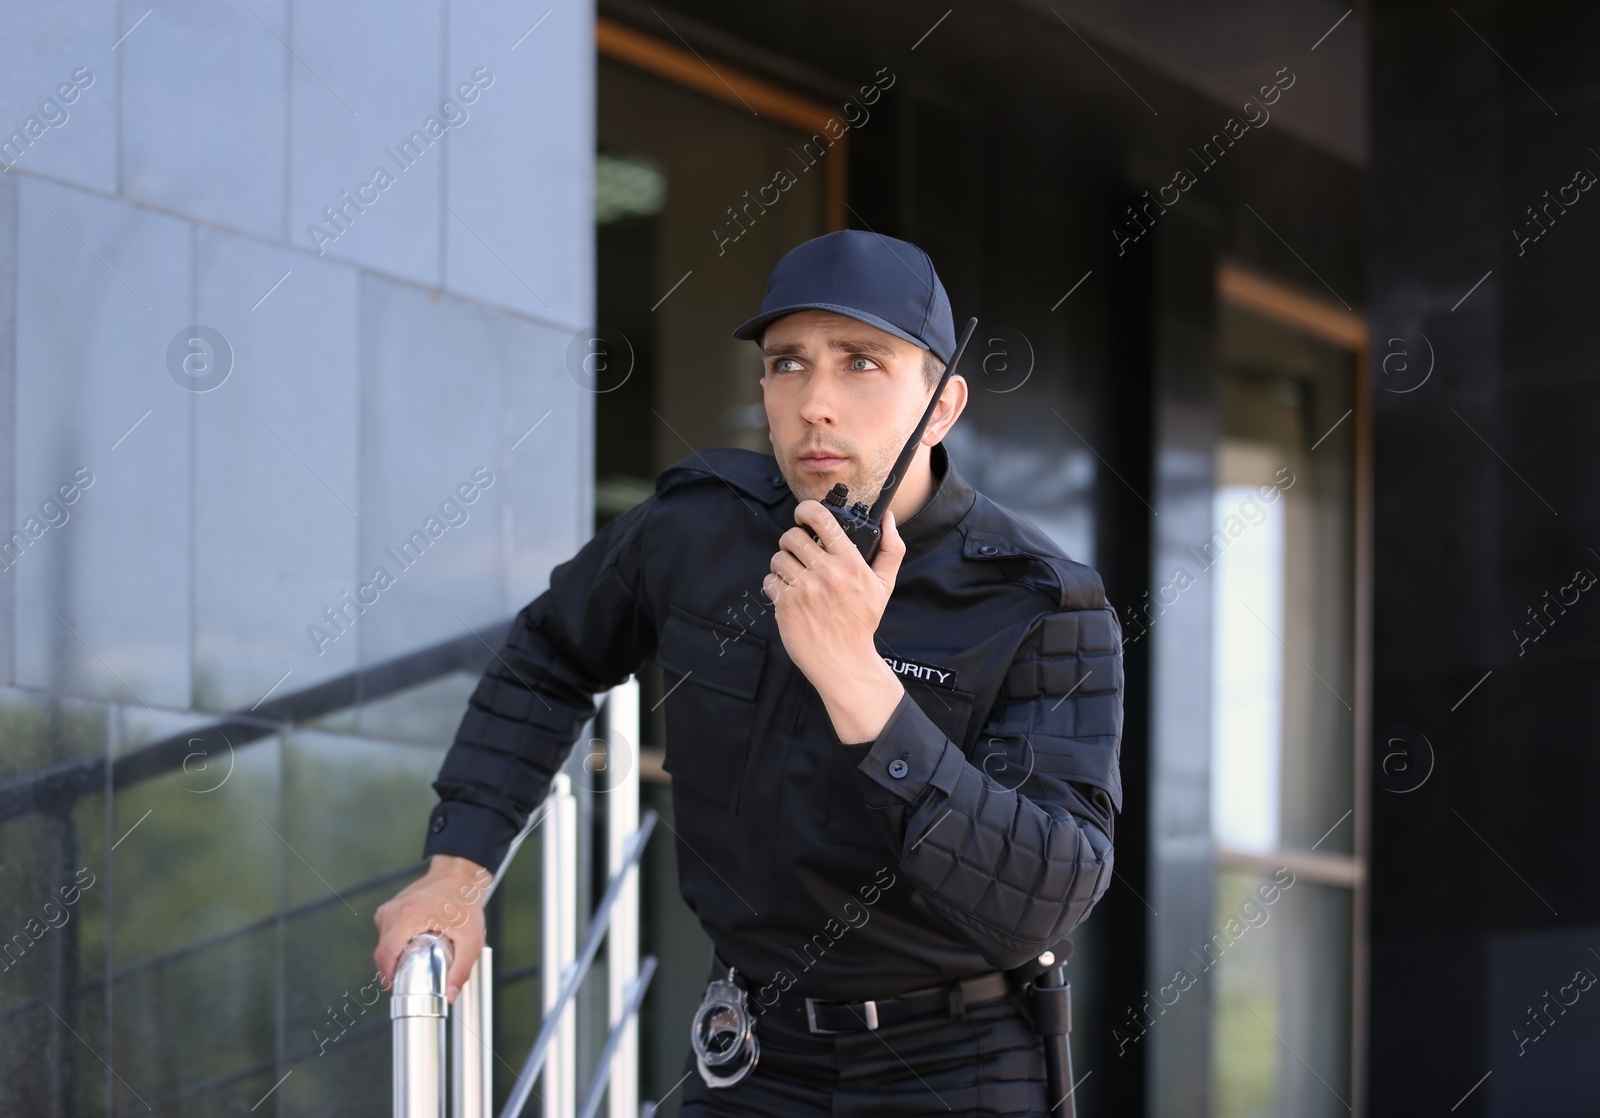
(819, 399)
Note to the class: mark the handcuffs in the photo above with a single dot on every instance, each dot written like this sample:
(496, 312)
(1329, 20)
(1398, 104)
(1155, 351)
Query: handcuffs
(724, 1035)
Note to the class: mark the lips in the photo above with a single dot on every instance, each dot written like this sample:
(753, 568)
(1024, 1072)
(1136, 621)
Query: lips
(823, 461)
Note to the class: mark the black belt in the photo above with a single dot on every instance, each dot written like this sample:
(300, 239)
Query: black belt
(843, 1017)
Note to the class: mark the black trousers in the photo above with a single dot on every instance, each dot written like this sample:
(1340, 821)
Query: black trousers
(990, 1062)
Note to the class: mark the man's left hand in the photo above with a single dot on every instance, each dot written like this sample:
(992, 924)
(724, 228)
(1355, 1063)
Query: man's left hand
(828, 601)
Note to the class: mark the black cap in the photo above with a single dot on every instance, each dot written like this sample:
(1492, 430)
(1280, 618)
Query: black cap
(882, 281)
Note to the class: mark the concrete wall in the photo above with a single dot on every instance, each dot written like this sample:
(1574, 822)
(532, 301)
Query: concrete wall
(176, 173)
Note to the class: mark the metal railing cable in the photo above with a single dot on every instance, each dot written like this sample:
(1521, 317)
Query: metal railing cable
(630, 1012)
(599, 925)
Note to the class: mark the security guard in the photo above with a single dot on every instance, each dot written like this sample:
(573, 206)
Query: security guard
(894, 785)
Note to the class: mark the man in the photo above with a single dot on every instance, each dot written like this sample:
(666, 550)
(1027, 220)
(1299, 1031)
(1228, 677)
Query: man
(894, 784)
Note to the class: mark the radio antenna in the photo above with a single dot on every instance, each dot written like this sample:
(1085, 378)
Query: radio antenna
(891, 484)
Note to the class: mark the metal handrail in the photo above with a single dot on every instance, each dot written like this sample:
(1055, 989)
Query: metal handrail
(622, 944)
(559, 947)
(418, 1006)
(575, 973)
(417, 1011)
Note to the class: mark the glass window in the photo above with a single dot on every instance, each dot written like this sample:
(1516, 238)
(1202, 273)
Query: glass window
(1283, 722)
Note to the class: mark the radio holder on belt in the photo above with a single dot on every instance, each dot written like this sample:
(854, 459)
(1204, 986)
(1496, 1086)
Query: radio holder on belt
(1050, 1005)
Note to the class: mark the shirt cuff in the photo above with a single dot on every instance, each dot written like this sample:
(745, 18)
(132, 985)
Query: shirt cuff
(909, 754)
(465, 830)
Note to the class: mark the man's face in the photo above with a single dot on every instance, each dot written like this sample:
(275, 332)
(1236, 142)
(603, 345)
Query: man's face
(836, 386)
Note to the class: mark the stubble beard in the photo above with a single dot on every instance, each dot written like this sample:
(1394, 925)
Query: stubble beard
(865, 478)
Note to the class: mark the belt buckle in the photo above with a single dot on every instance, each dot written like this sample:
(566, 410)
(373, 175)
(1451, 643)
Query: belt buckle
(871, 1008)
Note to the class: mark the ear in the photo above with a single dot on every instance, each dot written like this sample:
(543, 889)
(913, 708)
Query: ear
(952, 402)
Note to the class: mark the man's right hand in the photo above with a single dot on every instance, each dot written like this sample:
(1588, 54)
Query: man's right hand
(447, 901)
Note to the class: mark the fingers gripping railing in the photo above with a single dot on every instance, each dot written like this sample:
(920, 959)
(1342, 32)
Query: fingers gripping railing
(418, 1003)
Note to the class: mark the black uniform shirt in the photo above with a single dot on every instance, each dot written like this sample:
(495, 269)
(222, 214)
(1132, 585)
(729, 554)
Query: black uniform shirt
(973, 833)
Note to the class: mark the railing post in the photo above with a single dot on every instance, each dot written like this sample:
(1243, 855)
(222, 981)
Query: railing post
(622, 941)
(472, 1042)
(560, 942)
(417, 1013)
(599, 924)
(419, 1008)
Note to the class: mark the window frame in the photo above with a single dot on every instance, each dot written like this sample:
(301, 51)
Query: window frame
(1346, 329)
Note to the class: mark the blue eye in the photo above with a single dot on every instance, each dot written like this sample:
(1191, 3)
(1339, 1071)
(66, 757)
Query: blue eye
(868, 360)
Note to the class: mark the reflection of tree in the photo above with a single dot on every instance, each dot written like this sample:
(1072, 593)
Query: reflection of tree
(1244, 1053)
(36, 737)
(228, 949)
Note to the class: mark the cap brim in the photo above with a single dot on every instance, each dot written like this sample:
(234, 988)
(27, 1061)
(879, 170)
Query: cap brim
(751, 330)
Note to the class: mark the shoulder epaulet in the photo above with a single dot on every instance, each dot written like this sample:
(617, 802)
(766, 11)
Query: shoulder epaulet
(749, 472)
(1081, 587)
(1026, 555)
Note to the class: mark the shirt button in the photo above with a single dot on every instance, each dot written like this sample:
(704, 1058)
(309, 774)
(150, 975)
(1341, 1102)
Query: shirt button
(986, 549)
(898, 768)
(438, 824)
